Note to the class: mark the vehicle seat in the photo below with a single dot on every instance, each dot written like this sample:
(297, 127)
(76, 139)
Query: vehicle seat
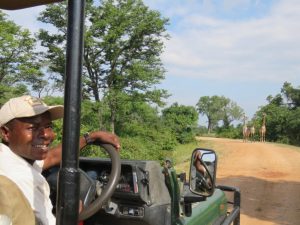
(14, 207)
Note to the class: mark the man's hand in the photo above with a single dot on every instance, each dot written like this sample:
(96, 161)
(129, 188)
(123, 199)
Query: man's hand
(105, 137)
(197, 163)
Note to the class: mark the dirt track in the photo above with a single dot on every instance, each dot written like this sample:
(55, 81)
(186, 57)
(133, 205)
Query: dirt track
(268, 176)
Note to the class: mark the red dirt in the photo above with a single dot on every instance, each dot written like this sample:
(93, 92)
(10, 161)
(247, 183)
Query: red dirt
(268, 176)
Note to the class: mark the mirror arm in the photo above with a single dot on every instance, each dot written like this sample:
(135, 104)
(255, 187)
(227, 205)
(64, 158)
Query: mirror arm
(189, 197)
(182, 177)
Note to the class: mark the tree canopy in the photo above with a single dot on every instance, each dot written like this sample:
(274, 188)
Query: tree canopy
(182, 120)
(218, 108)
(283, 115)
(123, 43)
(20, 63)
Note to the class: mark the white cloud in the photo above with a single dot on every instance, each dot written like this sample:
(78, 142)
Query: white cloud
(26, 18)
(262, 48)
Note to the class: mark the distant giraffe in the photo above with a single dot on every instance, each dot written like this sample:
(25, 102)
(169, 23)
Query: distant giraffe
(252, 133)
(246, 130)
(263, 129)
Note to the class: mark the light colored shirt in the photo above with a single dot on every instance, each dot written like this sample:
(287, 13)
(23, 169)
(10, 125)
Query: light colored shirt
(30, 180)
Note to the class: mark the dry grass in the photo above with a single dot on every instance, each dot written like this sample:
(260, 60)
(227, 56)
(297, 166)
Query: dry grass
(182, 154)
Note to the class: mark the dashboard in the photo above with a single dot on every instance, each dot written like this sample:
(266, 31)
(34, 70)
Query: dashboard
(128, 178)
(140, 193)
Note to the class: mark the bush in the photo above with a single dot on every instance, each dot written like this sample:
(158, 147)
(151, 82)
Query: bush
(139, 148)
(231, 132)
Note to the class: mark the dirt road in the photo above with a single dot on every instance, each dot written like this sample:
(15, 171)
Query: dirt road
(268, 176)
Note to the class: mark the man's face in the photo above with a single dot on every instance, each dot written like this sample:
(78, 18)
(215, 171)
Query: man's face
(30, 137)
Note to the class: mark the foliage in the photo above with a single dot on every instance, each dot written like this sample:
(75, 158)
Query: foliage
(139, 119)
(123, 43)
(293, 127)
(218, 108)
(131, 148)
(182, 152)
(282, 116)
(182, 120)
(200, 130)
(57, 124)
(291, 94)
(140, 148)
(229, 132)
(19, 63)
(142, 133)
(232, 112)
(7, 92)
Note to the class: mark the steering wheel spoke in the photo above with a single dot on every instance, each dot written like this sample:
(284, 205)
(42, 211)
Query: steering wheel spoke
(93, 193)
(109, 188)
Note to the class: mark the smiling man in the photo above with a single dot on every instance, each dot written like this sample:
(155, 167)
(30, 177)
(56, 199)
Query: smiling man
(26, 132)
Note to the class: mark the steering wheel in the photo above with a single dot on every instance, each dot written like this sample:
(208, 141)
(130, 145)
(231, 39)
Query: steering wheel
(202, 182)
(88, 185)
(109, 189)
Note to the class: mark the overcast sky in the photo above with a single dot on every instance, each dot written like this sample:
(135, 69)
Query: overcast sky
(242, 49)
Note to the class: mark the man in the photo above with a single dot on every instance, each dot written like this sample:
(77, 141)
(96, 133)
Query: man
(26, 132)
(198, 164)
(202, 179)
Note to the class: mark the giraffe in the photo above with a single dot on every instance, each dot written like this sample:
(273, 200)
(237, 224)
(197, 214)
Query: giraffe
(263, 129)
(246, 130)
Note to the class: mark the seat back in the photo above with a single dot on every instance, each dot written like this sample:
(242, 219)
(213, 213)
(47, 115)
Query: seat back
(14, 207)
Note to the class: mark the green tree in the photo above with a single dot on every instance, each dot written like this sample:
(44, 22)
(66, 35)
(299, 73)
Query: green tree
(219, 108)
(7, 92)
(282, 116)
(276, 122)
(182, 120)
(291, 94)
(293, 127)
(139, 119)
(232, 112)
(143, 135)
(123, 43)
(213, 108)
(19, 63)
(277, 100)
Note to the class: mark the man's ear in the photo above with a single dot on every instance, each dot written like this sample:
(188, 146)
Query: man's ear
(4, 133)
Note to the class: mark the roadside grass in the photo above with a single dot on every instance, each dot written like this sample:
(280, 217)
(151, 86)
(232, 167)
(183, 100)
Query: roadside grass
(208, 135)
(181, 156)
(182, 153)
(211, 145)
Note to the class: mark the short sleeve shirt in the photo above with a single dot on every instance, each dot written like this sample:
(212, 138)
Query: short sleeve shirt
(30, 180)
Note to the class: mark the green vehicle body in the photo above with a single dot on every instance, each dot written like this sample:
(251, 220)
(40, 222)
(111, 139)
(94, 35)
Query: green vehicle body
(212, 210)
(164, 197)
(203, 213)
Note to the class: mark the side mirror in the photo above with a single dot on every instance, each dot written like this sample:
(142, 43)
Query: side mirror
(203, 172)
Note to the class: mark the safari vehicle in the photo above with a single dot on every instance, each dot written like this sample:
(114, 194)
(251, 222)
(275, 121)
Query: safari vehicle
(115, 191)
(150, 194)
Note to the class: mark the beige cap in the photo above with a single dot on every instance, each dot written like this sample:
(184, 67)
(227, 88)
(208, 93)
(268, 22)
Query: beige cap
(28, 106)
